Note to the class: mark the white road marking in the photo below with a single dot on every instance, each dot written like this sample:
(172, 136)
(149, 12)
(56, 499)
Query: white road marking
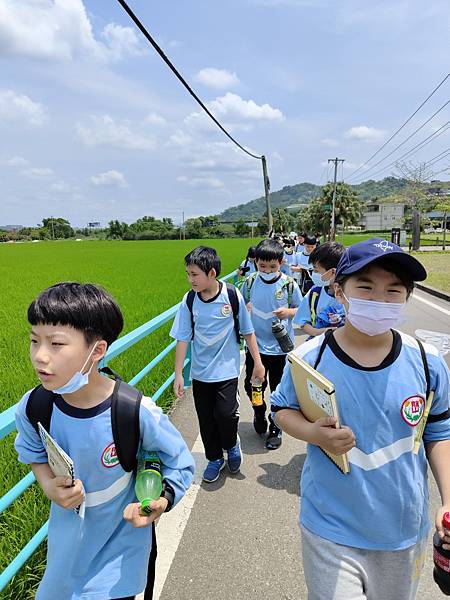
(432, 304)
(171, 526)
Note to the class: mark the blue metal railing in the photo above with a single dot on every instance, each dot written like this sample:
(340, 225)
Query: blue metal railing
(7, 422)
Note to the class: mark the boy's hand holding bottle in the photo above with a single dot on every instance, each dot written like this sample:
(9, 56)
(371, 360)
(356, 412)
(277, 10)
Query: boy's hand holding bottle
(133, 515)
(259, 372)
(444, 534)
(337, 441)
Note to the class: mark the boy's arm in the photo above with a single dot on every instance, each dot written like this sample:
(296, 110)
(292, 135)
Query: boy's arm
(436, 436)
(259, 371)
(438, 454)
(58, 489)
(310, 330)
(180, 356)
(287, 415)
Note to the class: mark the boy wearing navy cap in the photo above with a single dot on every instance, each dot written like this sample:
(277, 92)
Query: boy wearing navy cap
(368, 529)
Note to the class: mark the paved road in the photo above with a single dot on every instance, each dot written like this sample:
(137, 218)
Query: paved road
(238, 539)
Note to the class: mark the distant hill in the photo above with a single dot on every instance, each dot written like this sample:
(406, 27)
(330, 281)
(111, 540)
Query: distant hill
(11, 227)
(303, 193)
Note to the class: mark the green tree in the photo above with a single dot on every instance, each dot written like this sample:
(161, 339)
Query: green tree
(317, 216)
(283, 222)
(241, 229)
(117, 229)
(445, 208)
(59, 228)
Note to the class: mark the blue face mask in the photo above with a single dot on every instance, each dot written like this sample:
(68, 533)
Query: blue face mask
(317, 279)
(78, 380)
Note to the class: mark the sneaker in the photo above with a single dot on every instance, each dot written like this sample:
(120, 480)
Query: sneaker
(212, 471)
(259, 420)
(273, 440)
(235, 457)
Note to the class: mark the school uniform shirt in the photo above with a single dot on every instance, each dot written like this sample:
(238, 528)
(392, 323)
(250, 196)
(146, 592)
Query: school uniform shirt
(382, 504)
(286, 267)
(100, 556)
(326, 304)
(265, 298)
(215, 351)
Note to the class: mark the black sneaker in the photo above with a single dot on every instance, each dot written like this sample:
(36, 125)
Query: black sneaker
(259, 420)
(273, 440)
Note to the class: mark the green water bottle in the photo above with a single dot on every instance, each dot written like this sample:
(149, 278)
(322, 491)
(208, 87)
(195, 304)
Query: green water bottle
(148, 486)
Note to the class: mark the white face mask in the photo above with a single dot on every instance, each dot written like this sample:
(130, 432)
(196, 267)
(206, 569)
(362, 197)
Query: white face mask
(78, 380)
(269, 276)
(318, 279)
(374, 318)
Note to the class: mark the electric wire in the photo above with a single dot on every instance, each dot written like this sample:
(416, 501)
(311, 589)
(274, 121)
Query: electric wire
(158, 49)
(404, 141)
(401, 127)
(415, 148)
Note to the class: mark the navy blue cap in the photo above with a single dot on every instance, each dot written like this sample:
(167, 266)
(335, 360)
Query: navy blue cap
(360, 255)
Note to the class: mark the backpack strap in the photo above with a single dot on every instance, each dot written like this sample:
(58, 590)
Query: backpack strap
(290, 289)
(322, 347)
(425, 367)
(190, 303)
(40, 407)
(314, 295)
(234, 301)
(248, 285)
(125, 405)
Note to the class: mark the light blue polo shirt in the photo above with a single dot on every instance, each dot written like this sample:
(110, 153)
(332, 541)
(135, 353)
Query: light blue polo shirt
(290, 260)
(382, 504)
(265, 298)
(215, 351)
(100, 556)
(326, 304)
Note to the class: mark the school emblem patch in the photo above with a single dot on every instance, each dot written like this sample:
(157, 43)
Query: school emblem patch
(109, 456)
(412, 410)
(226, 310)
(279, 294)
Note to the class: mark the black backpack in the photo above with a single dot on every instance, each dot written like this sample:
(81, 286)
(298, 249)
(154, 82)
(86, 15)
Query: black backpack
(234, 302)
(125, 405)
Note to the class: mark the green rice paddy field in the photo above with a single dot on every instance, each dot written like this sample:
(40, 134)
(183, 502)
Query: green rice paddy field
(146, 278)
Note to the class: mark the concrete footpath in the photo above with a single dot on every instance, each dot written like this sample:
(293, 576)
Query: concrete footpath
(238, 539)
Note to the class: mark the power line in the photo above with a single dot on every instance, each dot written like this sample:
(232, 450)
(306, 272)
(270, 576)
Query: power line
(407, 139)
(415, 148)
(401, 127)
(180, 77)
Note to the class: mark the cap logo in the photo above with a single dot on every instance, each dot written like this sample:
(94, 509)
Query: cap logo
(384, 245)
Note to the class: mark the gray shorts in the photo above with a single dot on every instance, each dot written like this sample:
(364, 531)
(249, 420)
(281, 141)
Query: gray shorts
(336, 572)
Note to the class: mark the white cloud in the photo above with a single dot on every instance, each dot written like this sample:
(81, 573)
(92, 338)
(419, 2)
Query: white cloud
(121, 41)
(232, 105)
(38, 172)
(61, 187)
(59, 30)
(105, 131)
(219, 79)
(19, 107)
(155, 119)
(113, 178)
(179, 138)
(330, 142)
(14, 161)
(364, 133)
(202, 182)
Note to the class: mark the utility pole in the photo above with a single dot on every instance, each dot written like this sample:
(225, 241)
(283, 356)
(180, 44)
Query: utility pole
(336, 161)
(182, 228)
(267, 195)
(252, 226)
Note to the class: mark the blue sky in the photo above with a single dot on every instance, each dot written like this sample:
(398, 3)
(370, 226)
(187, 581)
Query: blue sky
(93, 126)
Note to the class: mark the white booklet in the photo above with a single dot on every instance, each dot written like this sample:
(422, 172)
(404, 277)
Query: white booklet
(59, 461)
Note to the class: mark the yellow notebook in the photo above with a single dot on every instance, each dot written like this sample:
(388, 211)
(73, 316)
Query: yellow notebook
(317, 399)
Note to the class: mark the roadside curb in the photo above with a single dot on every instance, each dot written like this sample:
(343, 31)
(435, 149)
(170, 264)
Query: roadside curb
(433, 291)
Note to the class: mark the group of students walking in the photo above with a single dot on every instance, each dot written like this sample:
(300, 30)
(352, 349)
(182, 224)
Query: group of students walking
(363, 534)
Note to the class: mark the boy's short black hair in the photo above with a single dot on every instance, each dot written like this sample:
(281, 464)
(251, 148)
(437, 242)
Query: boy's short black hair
(205, 258)
(327, 255)
(390, 266)
(309, 240)
(251, 252)
(83, 306)
(269, 250)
